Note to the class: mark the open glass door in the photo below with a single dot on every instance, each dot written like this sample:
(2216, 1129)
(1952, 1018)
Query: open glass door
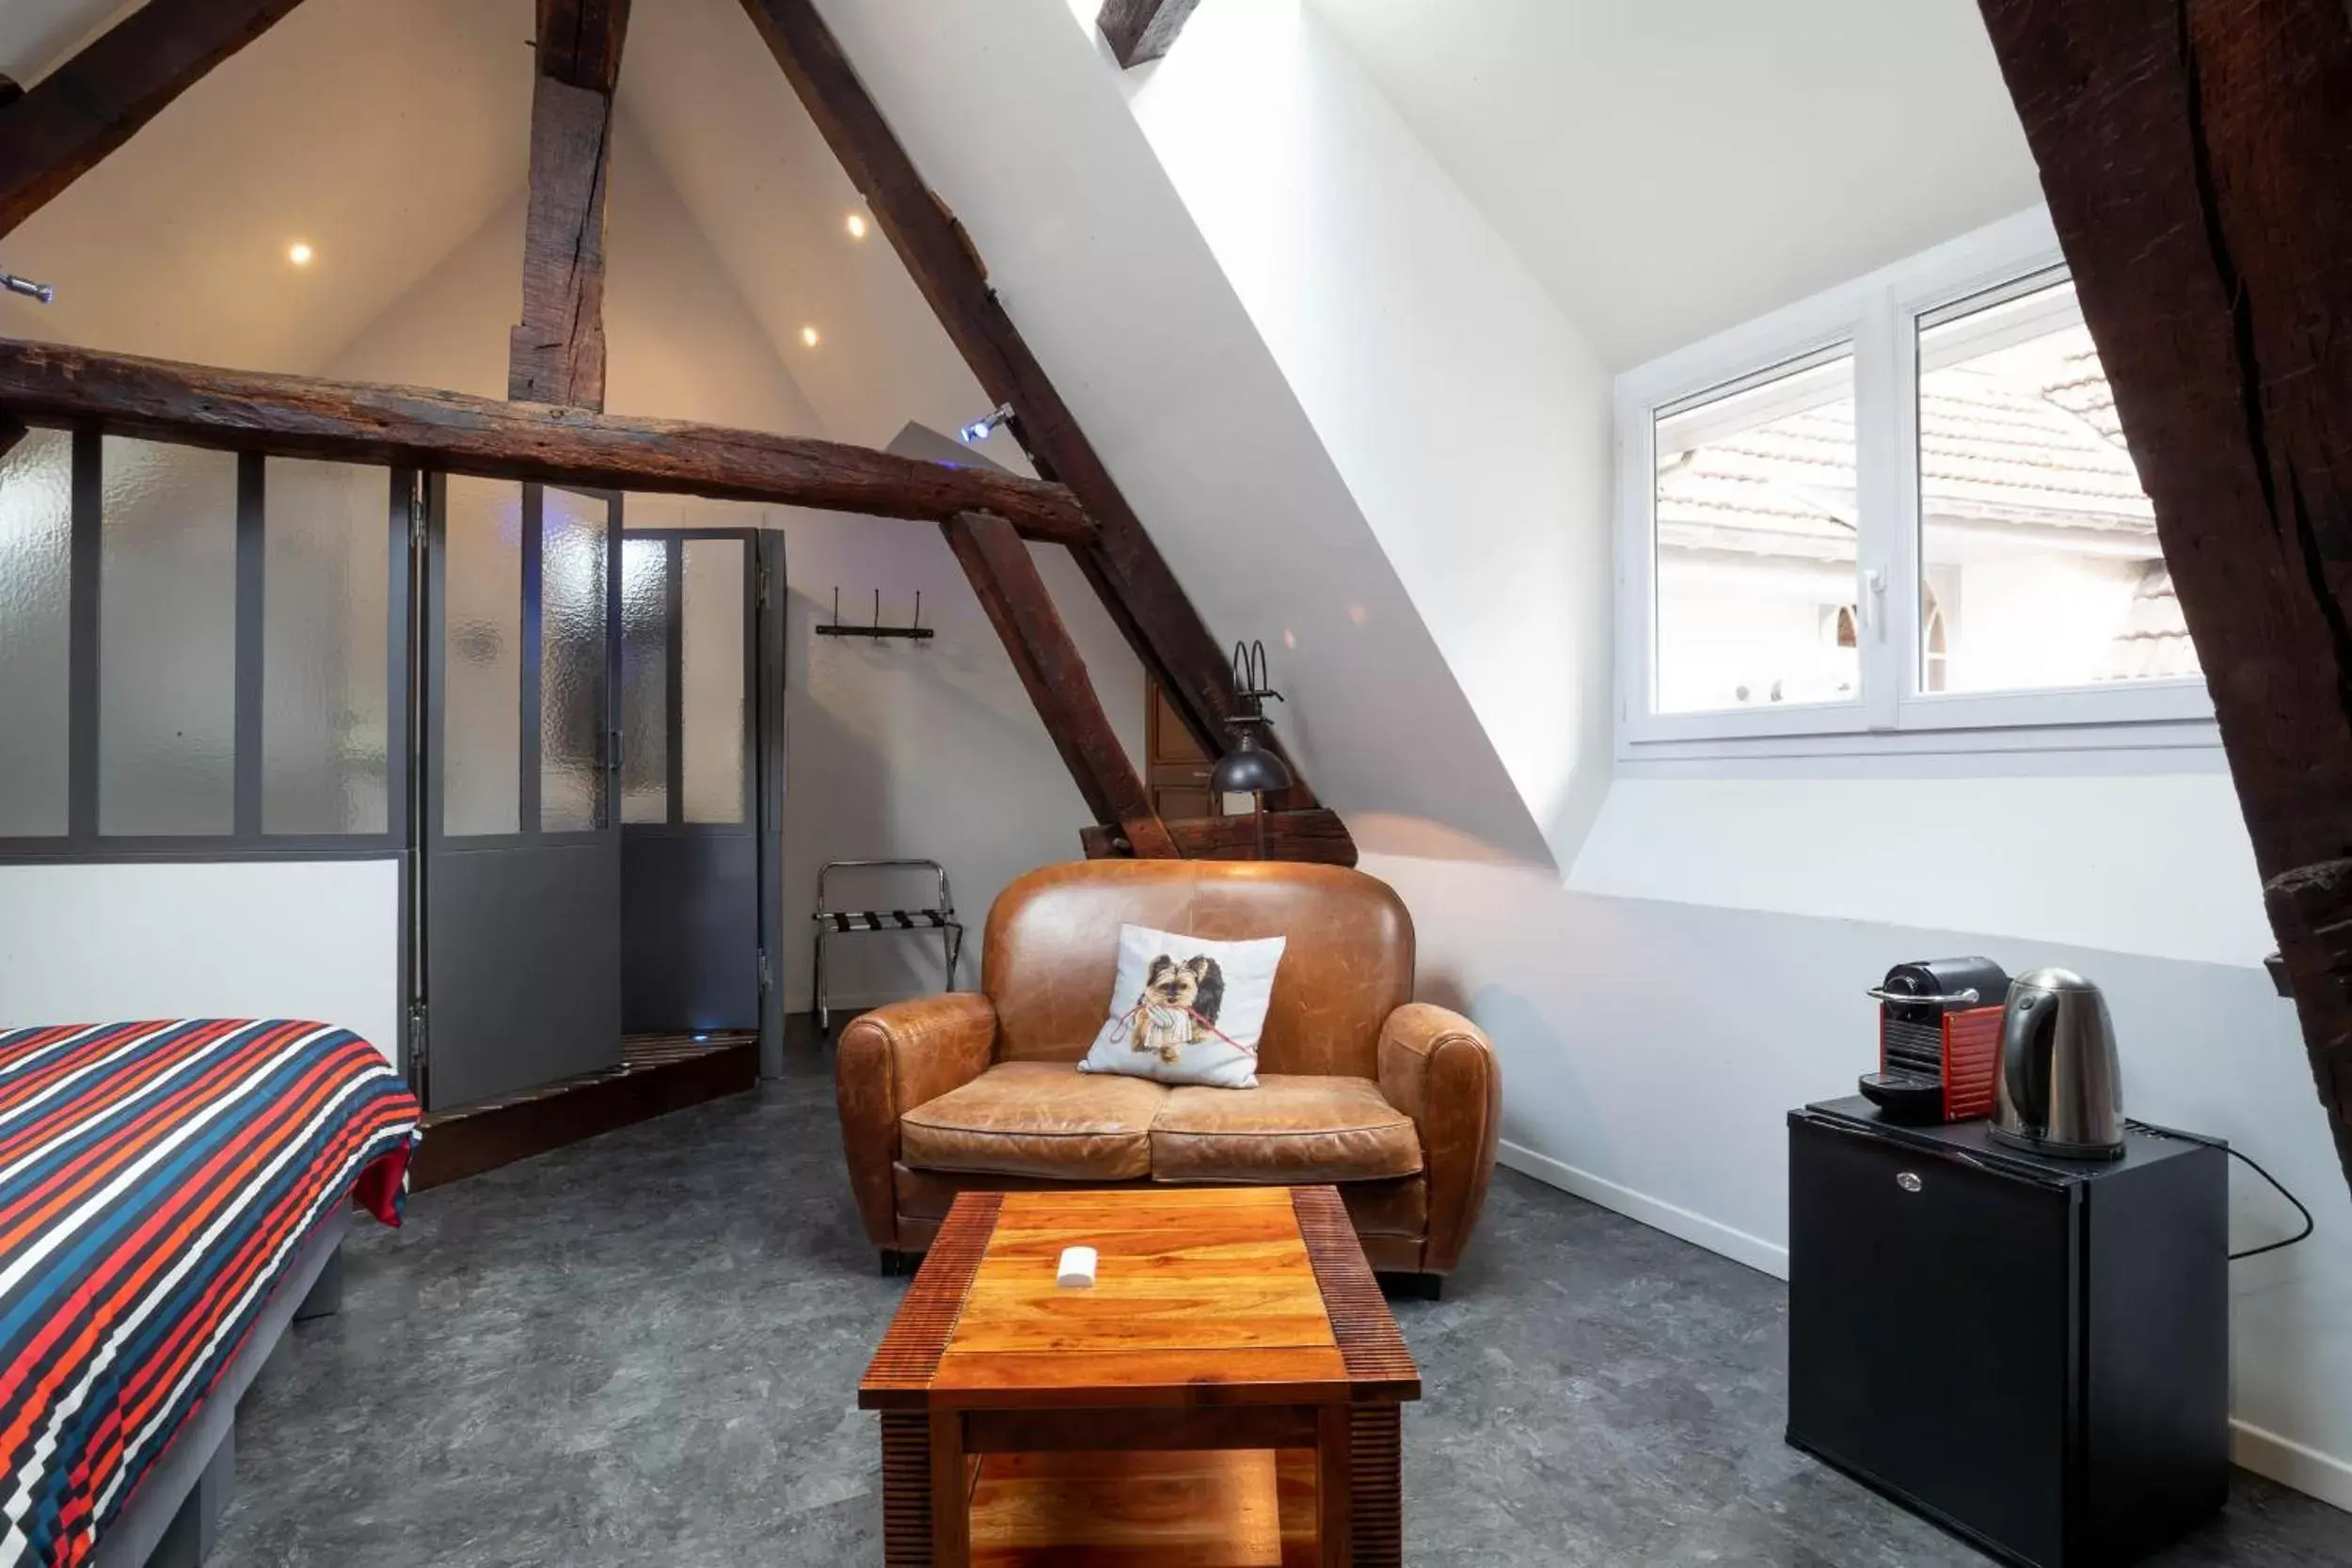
(691, 789)
(522, 865)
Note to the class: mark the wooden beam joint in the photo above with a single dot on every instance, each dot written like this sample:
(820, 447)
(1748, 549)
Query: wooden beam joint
(1318, 836)
(556, 352)
(579, 43)
(1141, 30)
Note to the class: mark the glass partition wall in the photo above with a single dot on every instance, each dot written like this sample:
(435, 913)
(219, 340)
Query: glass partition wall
(202, 654)
(215, 656)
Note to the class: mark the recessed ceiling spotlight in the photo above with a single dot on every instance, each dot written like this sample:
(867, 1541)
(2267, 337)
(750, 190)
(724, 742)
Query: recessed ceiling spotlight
(810, 336)
(856, 225)
(300, 253)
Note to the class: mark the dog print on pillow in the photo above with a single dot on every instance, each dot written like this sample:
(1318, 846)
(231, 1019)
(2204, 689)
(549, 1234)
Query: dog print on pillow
(1186, 1019)
(1180, 1003)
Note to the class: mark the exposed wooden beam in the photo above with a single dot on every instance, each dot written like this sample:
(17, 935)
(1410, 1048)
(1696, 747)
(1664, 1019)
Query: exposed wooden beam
(1289, 835)
(556, 352)
(1140, 30)
(289, 416)
(1126, 570)
(1055, 675)
(579, 42)
(70, 119)
(2198, 159)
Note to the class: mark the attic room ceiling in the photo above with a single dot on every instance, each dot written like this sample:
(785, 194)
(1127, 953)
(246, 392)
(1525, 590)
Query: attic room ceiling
(1672, 167)
(386, 134)
(380, 135)
(36, 34)
(748, 164)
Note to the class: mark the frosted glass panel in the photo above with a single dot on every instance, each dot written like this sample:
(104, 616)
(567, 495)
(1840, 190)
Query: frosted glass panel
(166, 640)
(36, 562)
(325, 601)
(482, 693)
(645, 680)
(572, 660)
(711, 699)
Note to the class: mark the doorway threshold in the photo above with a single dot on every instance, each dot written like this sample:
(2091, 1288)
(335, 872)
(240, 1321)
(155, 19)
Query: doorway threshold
(657, 1074)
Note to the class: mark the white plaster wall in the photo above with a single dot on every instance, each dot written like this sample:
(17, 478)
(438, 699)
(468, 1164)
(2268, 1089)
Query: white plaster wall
(1651, 1049)
(892, 750)
(1469, 418)
(1671, 167)
(2152, 864)
(312, 939)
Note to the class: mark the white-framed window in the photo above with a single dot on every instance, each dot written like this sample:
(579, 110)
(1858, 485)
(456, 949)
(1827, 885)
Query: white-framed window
(1896, 516)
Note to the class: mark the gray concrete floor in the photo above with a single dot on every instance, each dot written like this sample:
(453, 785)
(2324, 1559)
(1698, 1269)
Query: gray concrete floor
(645, 1350)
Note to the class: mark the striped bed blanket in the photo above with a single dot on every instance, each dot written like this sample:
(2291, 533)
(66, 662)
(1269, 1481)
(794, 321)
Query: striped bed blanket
(156, 1182)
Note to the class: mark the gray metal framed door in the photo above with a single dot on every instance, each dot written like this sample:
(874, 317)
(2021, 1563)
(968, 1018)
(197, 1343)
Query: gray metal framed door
(691, 789)
(522, 850)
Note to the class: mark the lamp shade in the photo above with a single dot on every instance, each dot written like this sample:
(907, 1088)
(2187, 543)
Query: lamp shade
(1249, 768)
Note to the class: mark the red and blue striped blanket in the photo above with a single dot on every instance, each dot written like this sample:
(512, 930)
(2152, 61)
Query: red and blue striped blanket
(156, 1181)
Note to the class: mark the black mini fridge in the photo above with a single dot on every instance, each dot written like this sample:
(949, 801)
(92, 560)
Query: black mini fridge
(2034, 1352)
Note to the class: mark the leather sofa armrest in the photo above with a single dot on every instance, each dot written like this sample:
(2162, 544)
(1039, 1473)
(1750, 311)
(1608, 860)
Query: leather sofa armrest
(890, 1061)
(1439, 1068)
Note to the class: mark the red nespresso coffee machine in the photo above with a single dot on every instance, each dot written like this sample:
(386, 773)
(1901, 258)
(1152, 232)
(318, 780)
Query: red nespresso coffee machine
(1939, 1040)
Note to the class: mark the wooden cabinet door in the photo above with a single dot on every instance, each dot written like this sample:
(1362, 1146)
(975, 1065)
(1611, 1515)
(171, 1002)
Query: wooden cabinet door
(1176, 772)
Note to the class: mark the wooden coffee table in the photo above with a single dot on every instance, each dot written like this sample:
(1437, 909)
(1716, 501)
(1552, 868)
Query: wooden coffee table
(1018, 1419)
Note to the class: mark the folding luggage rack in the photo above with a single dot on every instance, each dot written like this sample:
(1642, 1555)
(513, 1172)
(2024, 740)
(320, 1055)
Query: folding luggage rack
(831, 923)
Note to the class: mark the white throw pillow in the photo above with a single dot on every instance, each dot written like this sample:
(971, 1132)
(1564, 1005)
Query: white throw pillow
(1186, 1010)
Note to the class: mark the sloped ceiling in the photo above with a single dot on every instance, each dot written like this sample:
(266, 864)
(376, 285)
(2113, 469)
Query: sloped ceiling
(750, 167)
(383, 135)
(387, 133)
(1671, 167)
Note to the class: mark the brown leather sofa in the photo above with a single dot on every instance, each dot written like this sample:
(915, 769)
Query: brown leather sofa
(1393, 1100)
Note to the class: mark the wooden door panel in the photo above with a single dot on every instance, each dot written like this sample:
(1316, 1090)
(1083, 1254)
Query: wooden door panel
(1175, 769)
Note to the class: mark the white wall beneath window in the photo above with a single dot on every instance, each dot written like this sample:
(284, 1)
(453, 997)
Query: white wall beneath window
(257, 939)
(2151, 864)
(1650, 1050)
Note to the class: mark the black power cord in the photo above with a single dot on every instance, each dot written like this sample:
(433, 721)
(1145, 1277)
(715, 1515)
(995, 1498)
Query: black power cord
(2216, 1143)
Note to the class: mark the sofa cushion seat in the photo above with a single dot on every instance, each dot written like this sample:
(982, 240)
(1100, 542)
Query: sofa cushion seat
(1288, 1130)
(1036, 1118)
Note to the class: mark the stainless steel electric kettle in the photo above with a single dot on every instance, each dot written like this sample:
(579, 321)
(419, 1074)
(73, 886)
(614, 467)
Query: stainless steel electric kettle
(2060, 1091)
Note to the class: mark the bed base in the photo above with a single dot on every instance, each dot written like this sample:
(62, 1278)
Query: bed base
(174, 1517)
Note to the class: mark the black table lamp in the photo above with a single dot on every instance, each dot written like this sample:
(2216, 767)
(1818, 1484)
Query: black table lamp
(1251, 768)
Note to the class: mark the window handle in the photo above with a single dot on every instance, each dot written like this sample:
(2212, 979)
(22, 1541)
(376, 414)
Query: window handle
(1874, 602)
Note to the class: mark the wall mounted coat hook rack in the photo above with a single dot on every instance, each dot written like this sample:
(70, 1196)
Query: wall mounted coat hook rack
(913, 630)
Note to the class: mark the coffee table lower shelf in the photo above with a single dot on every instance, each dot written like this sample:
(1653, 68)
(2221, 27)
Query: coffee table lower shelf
(1138, 1423)
(1234, 1507)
